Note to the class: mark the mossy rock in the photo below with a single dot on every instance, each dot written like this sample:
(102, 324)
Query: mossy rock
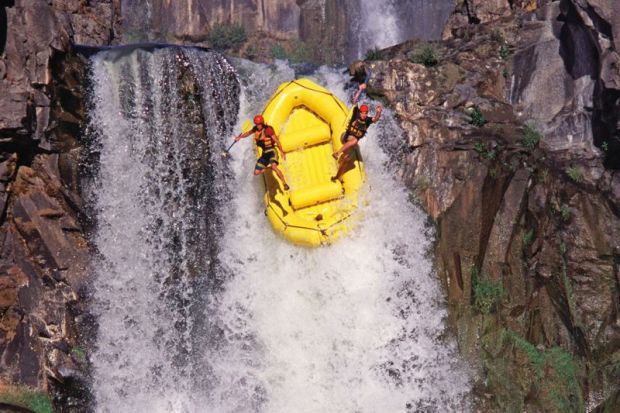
(23, 397)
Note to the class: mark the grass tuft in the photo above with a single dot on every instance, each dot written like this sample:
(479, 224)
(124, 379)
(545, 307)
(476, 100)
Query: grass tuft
(477, 119)
(374, 54)
(26, 398)
(487, 293)
(427, 56)
(227, 36)
(531, 137)
(575, 174)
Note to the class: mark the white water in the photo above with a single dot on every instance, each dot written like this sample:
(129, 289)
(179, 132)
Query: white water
(153, 197)
(355, 327)
(380, 24)
(376, 25)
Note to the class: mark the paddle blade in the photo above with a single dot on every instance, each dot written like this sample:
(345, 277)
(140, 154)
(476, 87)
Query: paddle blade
(247, 125)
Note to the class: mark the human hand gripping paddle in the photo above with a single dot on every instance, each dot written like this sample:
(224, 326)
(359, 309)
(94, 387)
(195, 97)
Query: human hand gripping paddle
(247, 125)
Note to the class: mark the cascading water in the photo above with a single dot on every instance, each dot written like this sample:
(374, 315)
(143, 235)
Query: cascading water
(156, 190)
(355, 327)
(202, 307)
(370, 23)
(380, 24)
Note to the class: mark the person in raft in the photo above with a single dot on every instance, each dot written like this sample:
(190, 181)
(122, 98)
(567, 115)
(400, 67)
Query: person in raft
(360, 72)
(355, 131)
(266, 139)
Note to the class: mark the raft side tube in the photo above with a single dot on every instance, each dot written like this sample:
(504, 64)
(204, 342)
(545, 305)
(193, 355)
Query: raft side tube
(306, 137)
(316, 194)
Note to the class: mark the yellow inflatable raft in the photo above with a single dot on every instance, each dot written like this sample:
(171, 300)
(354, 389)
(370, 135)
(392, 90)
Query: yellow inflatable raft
(309, 121)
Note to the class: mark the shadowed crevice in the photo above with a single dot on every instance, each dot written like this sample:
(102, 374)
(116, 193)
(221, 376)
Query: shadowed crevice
(4, 23)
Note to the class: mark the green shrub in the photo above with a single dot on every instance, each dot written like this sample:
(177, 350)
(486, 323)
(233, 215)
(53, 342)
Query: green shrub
(489, 155)
(477, 119)
(279, 52)
(374, 54)
(566, 394)
(486, 293)
(33, 400)
(497, 36)
(301, 51)
(529, 349)
(528, 236)
(605, 146)
(556, 371)
(479, 147)
(564, 212)
(530, 137)
(227, 36)
(575, 174)
(504, 52)
(79, 354)
(426, 56)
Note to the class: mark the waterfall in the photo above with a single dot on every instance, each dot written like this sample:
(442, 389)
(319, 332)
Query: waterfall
(371, 23)
(155, 119)
(355, 327)
(380, 24)
(201, 307)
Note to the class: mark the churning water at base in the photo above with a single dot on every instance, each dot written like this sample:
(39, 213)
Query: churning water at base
(203, 308)
(354, 327)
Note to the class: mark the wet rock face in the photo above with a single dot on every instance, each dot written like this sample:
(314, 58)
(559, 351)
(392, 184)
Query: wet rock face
(555, 91)
(581, 110)
(191, 21)
(43, 250)
(43, 267)
(35, 32)
(601, 21)
(528, 217)
(321, 24)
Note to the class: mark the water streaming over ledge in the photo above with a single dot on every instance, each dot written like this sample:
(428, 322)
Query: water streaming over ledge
(202, 307)
(158, 184)
(370, 23)
(380, 24)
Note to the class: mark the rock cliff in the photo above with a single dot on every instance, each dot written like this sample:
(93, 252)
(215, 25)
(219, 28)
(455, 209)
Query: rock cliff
(44, 252)
(321, 31)
(510, 147)
(318, 27)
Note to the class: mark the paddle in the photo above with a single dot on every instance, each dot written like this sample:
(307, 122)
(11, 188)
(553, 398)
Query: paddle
(247, 125)
(226, 153)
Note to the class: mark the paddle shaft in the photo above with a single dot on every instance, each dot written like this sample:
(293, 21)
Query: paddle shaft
(231, 145)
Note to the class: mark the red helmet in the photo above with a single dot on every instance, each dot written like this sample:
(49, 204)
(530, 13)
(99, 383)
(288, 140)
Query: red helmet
(364, 108)
(258, 120)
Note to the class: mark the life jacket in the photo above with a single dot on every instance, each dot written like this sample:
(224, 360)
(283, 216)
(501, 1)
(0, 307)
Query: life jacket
(264, 139)
(358, 127)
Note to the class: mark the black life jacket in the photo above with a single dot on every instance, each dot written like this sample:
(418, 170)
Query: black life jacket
(263, 138)
(358, 127)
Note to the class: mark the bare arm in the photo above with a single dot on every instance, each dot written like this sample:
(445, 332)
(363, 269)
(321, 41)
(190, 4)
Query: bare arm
(243, 135)
(279, 145)
(377, 114)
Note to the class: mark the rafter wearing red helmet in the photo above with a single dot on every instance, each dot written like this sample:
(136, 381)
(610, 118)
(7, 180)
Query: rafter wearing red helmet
(355, 131)
(267, 140)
